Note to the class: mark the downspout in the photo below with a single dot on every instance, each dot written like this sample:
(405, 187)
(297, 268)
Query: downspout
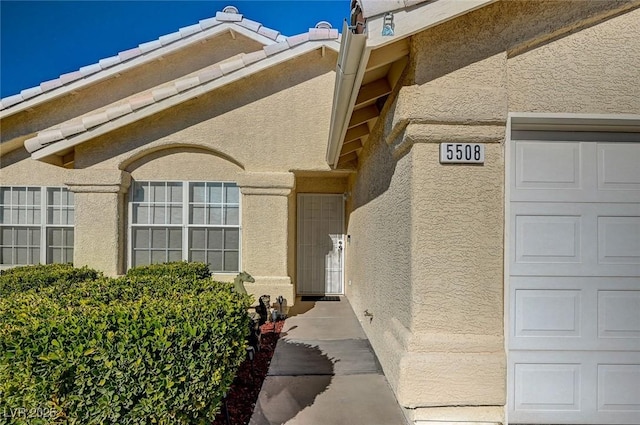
(349, 73)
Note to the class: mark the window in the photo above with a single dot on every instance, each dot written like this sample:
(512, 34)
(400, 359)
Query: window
(193, 221)
(30, 221)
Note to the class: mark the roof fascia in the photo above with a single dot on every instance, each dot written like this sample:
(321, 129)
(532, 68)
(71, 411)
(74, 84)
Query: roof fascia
(142, 59)
(358, 48)
(575, 122)
(415, 19)
(172, 101)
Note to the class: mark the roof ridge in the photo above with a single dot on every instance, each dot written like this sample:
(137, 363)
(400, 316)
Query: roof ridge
(229, 15)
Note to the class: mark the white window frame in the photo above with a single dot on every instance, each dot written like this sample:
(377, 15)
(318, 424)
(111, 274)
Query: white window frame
(43, 226)
(185, 225)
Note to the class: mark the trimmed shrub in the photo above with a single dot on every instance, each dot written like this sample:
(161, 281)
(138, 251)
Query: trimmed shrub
(176, 269)
(141, 349)
(23, 278)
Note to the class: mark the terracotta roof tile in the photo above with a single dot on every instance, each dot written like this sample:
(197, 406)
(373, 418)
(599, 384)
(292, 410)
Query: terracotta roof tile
(230, 66)
(130, 54)
(228, 17)
(90, 69)
(141, 100)
(169, 38)
(70, 76)
(269, 33)
(164, 92)
(182, 85)
(151, 45)
(29, 93)
(191, 29)
(272, 49)
(51, 84)
(252, 57)
(119, 110)
(209, 23)
(72, 128)
(249, 24)
(94, 120)
(210, 74)
(298, 39)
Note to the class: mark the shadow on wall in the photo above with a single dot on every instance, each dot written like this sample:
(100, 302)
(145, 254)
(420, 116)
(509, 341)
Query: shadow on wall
(285, 395)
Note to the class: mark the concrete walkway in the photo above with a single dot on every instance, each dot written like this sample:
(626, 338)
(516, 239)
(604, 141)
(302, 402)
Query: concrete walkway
(324, 372)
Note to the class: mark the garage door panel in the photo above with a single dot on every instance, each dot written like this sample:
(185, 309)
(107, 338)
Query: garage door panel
(618, 167)
(574, 313)
(583, 239)
(574, 387)
(572, 171)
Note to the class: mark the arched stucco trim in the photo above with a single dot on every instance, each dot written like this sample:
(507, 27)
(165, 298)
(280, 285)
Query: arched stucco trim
(145, 155)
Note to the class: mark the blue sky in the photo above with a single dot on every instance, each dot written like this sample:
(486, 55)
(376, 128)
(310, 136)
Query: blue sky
(40, 40)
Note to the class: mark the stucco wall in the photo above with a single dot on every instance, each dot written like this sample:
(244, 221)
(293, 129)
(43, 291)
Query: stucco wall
(441, 226)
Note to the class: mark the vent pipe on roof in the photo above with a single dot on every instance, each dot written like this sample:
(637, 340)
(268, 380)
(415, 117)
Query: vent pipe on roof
(324, 25)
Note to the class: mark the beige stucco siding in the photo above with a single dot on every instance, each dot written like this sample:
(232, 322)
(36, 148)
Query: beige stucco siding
(265, 123)
(17, 168)
(596, 69)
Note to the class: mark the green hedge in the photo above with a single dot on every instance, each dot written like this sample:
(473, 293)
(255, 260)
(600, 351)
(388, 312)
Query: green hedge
(23, 278)
(141, 349)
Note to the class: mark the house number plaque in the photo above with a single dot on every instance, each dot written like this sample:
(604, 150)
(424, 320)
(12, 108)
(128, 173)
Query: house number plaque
(461, 153)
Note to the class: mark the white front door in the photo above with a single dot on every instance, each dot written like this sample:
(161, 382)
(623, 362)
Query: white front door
(574, 285)
(320, 244)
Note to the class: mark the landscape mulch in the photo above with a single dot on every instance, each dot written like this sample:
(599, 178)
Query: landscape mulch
(243, 395)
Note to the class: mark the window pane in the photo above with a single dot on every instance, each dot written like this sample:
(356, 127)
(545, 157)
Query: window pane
(68, 255)
(21, 218)
(22, 236)
(54, 197)
(140, 258)
(231, 216)
(215, 260)
(5, 215)
(55, 237)
(175, 192)
(175, 255)
(175, 216)
(54, 255)
(22, 256)
(34, 234)
(158, 257)
(140, 214)
(215, 215)
(140, 192)
(215, 239)
(197, 239)
(196, 193)
(16, 194)
(34, 195)
(198, 256)
(197, 215)
(215, 193)
(6, 236)
(158, 213)
(68, 237)
(231, 238)
(34, 215)
(140, 238)
(231, 193)
(5, 195)
(175, 238)
(231, 261)
(68, 217)
(53, 215)
(158, 238)
(158, 192)
(6, 256)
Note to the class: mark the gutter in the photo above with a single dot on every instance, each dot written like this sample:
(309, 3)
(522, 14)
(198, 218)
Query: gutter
(349, 72)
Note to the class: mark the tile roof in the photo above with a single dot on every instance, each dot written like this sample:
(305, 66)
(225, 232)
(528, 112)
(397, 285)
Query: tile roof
(228, 16)
(279, 43)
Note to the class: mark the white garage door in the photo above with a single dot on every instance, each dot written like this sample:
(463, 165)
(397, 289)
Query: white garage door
(574, 285)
